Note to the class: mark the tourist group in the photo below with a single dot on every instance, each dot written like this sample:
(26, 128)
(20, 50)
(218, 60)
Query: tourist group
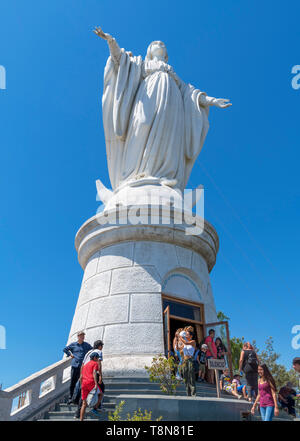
(191, 360)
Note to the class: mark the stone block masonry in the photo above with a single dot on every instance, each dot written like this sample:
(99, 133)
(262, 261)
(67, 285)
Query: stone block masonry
(126, 271)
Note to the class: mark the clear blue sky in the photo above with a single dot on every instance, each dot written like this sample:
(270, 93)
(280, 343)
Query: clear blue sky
(52, 151)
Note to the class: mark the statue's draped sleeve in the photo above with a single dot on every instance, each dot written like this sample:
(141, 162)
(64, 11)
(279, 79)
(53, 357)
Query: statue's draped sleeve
(121, 81)
(122, 78)
(196, 125)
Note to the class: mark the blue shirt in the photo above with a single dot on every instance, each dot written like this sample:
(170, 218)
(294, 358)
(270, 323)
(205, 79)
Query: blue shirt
(79, 351)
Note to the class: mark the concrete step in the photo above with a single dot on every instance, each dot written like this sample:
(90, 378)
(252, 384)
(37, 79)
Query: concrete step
(67, 415)
(72, 407)
(143, 385)
(148, 385)
(179, 392)
(126, 386)
(66, 419)
(141, 381)
(109, 380)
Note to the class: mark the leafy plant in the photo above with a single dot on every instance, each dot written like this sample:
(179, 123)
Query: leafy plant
(115, 415)
(138, 415)
(267, 355)
(162, 370)
(270, 358)
(236, 349)
(222, 318)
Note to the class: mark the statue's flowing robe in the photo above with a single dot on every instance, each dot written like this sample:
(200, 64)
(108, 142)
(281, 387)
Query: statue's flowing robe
(153, 122)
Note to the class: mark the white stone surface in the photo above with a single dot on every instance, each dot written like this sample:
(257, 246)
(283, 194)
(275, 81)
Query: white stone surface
(135, 265)
(184, 257)
(146, 308)
(199, 264)
(133, 338)
(210, 307)
(113, 309)
(181, 286)
(135, 279)
(91, 267)
(36, 404)
(116, 256)
(122, 303)
(79, 319)
(95, 234)
(129, 366)
(93, 334)
(210, 314)
(150, 253)
(155, 124)
(94, 287)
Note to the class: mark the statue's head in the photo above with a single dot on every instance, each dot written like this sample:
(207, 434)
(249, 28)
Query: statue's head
(157, 49)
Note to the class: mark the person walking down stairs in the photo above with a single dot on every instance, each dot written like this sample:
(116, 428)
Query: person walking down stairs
(77, 351)
(266, 395)
(89, 381)
(249, 364)
(188, 369)
(97, 348)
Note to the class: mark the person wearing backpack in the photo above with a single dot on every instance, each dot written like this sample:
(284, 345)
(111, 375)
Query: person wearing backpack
(249, 365)
(89, 382)
(98, 346)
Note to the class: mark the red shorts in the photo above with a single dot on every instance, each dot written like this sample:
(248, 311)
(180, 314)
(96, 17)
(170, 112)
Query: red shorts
(86, 389)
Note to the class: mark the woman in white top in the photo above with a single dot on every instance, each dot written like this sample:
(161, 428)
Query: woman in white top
(177, 347)
(188, 370)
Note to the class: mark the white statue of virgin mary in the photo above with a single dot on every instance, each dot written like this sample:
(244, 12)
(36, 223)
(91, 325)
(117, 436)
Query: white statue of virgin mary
(155, 124)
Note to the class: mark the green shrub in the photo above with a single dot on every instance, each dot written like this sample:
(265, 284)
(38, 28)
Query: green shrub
(138, 415)
(115, 415)
(162, 370)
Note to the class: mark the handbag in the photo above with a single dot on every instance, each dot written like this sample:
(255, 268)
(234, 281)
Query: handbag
(92, 397)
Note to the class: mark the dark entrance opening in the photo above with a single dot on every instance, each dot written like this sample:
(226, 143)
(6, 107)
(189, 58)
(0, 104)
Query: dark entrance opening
(176, 324)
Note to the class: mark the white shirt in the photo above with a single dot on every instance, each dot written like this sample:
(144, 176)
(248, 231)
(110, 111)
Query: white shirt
(188, 350)
(87, 356)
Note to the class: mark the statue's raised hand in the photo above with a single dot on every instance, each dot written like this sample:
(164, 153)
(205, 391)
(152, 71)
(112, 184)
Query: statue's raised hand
(98, 31)
(221, 103)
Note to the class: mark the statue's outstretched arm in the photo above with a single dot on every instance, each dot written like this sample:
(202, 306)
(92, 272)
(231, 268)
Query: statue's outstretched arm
(211, 101)
(114, 49)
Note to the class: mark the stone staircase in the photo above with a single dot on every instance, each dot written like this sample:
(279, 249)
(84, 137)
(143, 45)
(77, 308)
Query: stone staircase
(116, 386)
(66, 412)
(46, 394)
(124, 386)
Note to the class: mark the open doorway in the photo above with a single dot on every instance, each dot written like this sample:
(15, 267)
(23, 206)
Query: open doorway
(179, 313)
(177, 323)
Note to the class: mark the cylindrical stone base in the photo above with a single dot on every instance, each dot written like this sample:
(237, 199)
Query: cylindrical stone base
(127, 268)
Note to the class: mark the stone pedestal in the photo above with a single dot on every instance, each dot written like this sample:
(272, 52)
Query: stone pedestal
(126, 270)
